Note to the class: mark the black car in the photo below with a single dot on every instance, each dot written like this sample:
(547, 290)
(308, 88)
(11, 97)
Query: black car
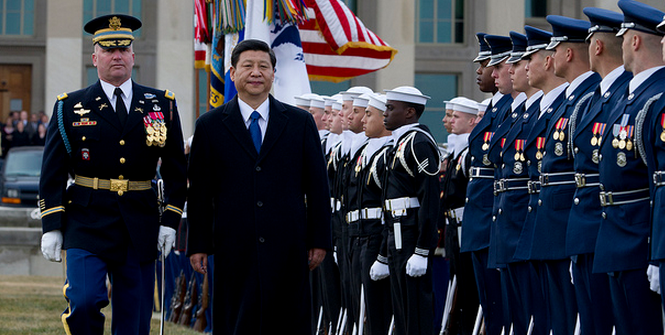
(19, 183)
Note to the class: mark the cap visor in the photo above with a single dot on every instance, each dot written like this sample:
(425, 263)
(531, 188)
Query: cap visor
(514, 59)
(622, 31)
(552, 45)
(480, 58)
(497, 61)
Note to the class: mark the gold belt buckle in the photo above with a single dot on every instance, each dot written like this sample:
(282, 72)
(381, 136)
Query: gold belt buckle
(580, 180)
(119, 186)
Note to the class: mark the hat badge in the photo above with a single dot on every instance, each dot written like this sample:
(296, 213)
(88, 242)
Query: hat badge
(114, 23)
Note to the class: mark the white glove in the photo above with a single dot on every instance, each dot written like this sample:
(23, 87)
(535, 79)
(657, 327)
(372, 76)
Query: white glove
(335, 257)
(654, 278)
(166, 240)
(379, 271)
(52, 245)
(416, 266)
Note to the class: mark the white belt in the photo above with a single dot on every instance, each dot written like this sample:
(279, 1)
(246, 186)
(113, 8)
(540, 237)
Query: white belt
(365, 213)
(335, 205)
(399, 206)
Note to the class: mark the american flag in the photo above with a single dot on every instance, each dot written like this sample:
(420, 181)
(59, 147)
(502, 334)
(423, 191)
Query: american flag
(337, 44)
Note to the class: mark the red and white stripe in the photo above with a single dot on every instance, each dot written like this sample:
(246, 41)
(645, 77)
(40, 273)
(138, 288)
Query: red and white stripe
(338, 46)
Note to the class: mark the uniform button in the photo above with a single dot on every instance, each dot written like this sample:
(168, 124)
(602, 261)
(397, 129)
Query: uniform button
(576, 201)
(259, 203)
(69, 202)
(258, 169)
(600, 157)
(261, 239)
(120, 193)
(540, 202)
(528, 163)
(577, 149)
(604, 215)
(473, 158)
(121, 177)
(122, 142)
(83, 138)
(602, 187)
(466, 200)
(500, 211)
(494, 218)
(503, 166)
(122, 160)
(530, 209)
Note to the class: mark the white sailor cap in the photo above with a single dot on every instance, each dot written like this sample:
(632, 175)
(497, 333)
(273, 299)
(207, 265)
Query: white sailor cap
(317, 102)
(354, 91)
(451, 102)
(407, 94)
(361, 101)
(304, 100)
(465, 105)
(482, 106)
(337, 104)
(378, 101)
(330, 100)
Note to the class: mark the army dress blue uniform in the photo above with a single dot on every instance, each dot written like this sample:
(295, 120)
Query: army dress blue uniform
(111, 210)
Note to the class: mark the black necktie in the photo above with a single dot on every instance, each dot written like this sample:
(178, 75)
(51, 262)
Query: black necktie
(120, 108)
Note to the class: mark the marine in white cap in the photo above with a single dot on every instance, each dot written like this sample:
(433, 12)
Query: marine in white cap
(411, 203)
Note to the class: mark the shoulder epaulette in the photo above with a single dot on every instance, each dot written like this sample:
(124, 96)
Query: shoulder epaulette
(169, 95)
(62, 96)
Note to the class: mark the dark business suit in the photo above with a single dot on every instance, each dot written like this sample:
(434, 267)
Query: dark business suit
(258, 213)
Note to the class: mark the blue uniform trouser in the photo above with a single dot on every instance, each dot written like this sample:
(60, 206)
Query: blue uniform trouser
(636, 308)
(86, 294)
(592, 291)
(489, 292)
(561, 297)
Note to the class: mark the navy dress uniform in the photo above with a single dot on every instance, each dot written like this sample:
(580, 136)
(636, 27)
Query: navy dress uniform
(476, 224)
(592, 290)
(622, 248)
(411, 204)
(109, 217)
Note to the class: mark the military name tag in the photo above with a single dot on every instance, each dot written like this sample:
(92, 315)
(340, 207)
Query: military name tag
(594, 141)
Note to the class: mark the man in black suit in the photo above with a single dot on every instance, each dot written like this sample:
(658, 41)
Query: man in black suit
(259, 201)
(109, 137)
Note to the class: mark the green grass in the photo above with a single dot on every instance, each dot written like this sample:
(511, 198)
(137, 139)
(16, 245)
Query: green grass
(33, 305)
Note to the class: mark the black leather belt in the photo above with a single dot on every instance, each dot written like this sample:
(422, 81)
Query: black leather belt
(533, 186)
(623, 197)
(481, 172)
(557, 178)
(587, 180)
(513, 184)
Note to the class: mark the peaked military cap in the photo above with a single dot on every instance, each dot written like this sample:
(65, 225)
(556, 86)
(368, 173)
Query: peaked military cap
(113, 31)
(501, 47)
(565, 29)
(536, 39)
(641, 17)
(519, 47)
(603, 20)
(484, 53)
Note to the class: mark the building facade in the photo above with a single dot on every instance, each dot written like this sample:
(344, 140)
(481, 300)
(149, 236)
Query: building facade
(44, 51)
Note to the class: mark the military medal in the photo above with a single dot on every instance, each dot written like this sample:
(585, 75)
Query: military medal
(662, 125)
(517, 156)
(359, 164)
(621, 159)
(155, 127)
(503, 142)
(540, 143)
(629, 135)
(519, 148)
(555, 136)
(558, 149)
(487, 138)
(615, 132)
(623, 131)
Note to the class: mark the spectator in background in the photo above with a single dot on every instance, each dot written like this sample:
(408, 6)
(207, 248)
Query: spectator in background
(39, 137)
(43, 119)
(7, 134)
(20, 136)
(34, 123)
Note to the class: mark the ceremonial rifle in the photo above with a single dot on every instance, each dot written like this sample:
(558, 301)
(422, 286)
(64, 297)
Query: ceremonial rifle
(178, 298)
(191, 300)
(201, 321)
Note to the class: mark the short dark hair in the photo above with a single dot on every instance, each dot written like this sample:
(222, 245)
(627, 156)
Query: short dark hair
(252, 45)
(418, 107)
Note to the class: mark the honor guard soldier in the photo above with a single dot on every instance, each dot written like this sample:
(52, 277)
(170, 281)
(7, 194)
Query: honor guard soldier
(109, 137)
(510, 188)
(371, 228)
(557, 176)
(592, 290)
(653, 144)
(411, 204)
(540, 74)
(478, 208)
(622, 248)
(463, 313)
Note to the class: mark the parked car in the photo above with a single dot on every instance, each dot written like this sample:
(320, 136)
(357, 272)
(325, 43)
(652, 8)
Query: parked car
(19, 182)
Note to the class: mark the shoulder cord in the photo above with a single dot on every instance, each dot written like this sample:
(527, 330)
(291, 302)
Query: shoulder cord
(422, 166)
(639, 126)
(61, 128)
(573, 122)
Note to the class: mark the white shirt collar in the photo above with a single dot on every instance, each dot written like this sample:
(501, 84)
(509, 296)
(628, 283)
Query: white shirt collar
(323, 133)
(461, 142)
(373, 146)
(452, 140)
(357, 141)
(610, 78)
(127, 92)
(641, 77)
(496, 97)
(519, 99)
(577, 82)
(246, 112)
(333, 139)
(397, 133)
(532, 99)
(549, 98)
